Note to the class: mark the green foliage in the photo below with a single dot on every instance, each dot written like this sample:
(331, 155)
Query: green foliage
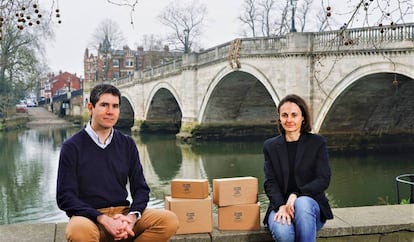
(385, 201)
(21, 53)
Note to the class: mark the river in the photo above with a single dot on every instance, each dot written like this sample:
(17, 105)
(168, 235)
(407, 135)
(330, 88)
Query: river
(29, 161)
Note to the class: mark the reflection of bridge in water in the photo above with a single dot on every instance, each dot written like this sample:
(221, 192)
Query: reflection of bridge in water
(166, 159)
(357, 81)
(185, 165)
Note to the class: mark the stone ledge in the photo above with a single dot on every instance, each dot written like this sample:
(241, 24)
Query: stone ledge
(373, 223)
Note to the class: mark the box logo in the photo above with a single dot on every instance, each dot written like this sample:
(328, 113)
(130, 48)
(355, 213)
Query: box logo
(237, 217)
(190, 217)
(186, 188)
(236, 191)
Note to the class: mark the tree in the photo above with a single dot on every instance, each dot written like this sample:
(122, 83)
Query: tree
(302, 13)
(24, 31)
(274, 18)
(106, 38)
(126, 3)
(362, 13)
(250, 17)
(152, 42)
(185, 23)
(108, 30)
(271, 17)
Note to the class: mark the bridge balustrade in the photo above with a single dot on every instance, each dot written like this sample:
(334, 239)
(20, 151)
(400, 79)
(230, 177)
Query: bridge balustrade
(357, 38)
(213, 54)
(263, 44)
(162, 69)
(364, 36)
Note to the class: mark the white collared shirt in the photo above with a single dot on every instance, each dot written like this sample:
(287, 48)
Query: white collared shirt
(95, 136)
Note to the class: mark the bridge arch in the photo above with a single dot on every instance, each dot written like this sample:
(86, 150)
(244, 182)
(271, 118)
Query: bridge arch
(163, 108)
(247, 77)
(126, 116)
(379, 77)
(216, 100)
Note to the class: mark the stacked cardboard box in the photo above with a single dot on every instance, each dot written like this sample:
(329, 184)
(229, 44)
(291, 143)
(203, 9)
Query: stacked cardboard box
(191, 203)
(236, 198)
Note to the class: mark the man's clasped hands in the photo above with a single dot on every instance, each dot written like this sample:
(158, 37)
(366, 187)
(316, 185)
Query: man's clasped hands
(119, 226)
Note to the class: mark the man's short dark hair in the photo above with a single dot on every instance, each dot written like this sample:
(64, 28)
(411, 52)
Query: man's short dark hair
(100, 89)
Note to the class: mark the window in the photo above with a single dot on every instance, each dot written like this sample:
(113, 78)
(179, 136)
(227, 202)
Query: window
(129, 63)
(115, 62)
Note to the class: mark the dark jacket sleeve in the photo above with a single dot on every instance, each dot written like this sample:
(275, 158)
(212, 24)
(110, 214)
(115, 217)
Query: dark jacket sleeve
(273, 183)
(67, 191)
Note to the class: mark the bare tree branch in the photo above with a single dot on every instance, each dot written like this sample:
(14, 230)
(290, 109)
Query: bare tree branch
(182, 21)
(250, 16)
(107, 28)
(126, 3)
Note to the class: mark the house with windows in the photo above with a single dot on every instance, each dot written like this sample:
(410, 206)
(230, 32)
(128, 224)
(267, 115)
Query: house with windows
(63, 83)
(110, 64)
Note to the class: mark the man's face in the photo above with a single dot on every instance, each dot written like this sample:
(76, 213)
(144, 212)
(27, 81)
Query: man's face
(105, 114)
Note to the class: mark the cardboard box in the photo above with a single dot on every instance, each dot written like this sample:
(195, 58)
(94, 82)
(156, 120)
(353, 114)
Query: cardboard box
(189, 188)
(233, 191)
(239, 217)
(194, 215)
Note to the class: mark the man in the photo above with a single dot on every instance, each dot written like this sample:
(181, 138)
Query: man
(95, 165)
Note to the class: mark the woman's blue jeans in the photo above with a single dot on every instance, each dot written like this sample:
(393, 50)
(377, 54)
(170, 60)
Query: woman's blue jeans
(303, 227)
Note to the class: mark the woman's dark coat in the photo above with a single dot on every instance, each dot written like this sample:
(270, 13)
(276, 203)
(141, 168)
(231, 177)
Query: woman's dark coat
(312, 171)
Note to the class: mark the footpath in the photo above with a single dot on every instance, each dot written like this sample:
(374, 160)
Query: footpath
(41, 117)
(36, 117)
(387, 223)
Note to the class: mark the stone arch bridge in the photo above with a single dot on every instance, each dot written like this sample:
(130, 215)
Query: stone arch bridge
(356, 81)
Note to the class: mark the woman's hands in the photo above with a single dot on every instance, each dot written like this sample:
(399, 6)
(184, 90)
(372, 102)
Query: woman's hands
(286, 212)
(119, 226)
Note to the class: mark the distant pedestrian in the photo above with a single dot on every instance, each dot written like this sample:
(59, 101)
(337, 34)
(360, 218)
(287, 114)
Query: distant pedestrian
(297, 173)
(95, 167)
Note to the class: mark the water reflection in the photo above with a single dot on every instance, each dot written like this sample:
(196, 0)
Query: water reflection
(28, 174)
(29, 160)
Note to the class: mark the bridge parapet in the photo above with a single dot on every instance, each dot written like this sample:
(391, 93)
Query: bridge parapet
(396, 36)
(365, 38)
(225, 90)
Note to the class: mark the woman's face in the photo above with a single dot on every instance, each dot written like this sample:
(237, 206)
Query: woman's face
(291, 117)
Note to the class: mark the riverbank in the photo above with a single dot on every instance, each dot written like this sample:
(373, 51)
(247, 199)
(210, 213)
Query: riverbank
(393, 223)
(40, 116)
(17, 121)
(36, 117)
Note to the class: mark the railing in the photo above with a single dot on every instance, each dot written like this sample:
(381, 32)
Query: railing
(368, 35)
(400, 179)
(322, 41)
(64, 96)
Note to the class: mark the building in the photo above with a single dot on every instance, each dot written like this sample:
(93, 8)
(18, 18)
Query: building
(110, 64)
(63, 83)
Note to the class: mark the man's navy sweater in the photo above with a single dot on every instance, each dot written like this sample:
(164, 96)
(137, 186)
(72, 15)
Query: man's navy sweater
(90, 177)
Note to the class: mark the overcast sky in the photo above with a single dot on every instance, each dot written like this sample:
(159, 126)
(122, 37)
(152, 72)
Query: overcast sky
(80, 18)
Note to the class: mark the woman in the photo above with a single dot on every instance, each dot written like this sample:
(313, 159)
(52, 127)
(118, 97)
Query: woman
(297, 173)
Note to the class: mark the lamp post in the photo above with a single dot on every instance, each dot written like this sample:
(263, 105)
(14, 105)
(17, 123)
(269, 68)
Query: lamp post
(186, 33)
(68, 93)
(81, 82)
(293, 3)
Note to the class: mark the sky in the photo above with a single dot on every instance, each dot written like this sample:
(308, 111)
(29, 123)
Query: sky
(80, 18)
